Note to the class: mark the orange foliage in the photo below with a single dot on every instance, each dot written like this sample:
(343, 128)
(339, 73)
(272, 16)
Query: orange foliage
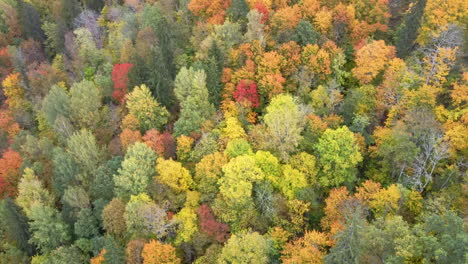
(309, 249)
(10, 164)
(99, 259)
(371, 59)
(286, 18)
(129, 137)
(213, 11)
(8, 124)
(156, 252)
(334, 219)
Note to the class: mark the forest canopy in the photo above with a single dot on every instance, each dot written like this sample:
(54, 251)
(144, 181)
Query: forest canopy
(233, 131)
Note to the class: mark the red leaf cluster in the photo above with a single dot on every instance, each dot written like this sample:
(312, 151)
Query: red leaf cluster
(247, 91)
(120, 79)
(209, 225)
(262, 9)
(162, 143)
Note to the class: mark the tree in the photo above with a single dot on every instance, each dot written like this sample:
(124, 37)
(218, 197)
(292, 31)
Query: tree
(245, 248)
(86, 225)
(15, 93)
(56, 104)
(308, 249)
(238, 10)
(83, 148)
(239, 174)
(146, 109)
(173, 174)
(146, 219)
(113, 217)
(31, 191)
(209, 225)
(305, 34)
(66, 254)
(85, 103)
(190, 90)
(407, 31)
(207, 173)
(48, 230)
(438, 15)
(14, 227)
(187, 218)
(291, 181)
(284, 123)
(213, 11)
(155, 252)
(120, 79)
(136, 172)
(10, 164)
(246, 93)
(371, 59)
(348, 247)
(238, 147)
(133, 251)
(338, 155)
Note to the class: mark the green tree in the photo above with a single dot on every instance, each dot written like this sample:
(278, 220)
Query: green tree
(305, 34)
(146, 109)
(85, 104)
(64, 254)
(65, 170)
(191, 91)
(31, 191)
(238, 10)
(48, 230)
(136, 172)
(55, 104)
(87, 225)
(83, 148)
(284, 123)
(14, 229)
(338, 156)
(245, 248)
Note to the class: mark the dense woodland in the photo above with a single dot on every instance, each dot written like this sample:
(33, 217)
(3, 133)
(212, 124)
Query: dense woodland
(233, 131)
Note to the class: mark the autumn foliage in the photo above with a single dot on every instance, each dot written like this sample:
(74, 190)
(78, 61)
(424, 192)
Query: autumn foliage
(10, 164)
(209, 225)
(120, 79)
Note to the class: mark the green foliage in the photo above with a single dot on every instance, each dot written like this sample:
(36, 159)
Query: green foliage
(284, 123)
(305, 34)
(146, 109)
(136, 172)
(238, 147)
(245, 247)
(191, 92)
(338, 154)
(14, 228)
(48, 230)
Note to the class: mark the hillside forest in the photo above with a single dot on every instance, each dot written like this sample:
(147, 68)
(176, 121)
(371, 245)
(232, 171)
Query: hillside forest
(233, 131)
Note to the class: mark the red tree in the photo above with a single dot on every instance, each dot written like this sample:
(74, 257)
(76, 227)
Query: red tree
(209, 225)
(247, 91)
(262, 9)
(10, 164)
(163, 144)
(120, 79)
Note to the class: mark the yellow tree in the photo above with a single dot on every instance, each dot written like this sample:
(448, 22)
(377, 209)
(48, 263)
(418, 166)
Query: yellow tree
(15, 94)
(173, 174)
(438, 14)
(371, 59)
(309, 249)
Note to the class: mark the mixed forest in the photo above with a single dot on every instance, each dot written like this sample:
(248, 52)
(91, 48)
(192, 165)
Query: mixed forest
(233, 131)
